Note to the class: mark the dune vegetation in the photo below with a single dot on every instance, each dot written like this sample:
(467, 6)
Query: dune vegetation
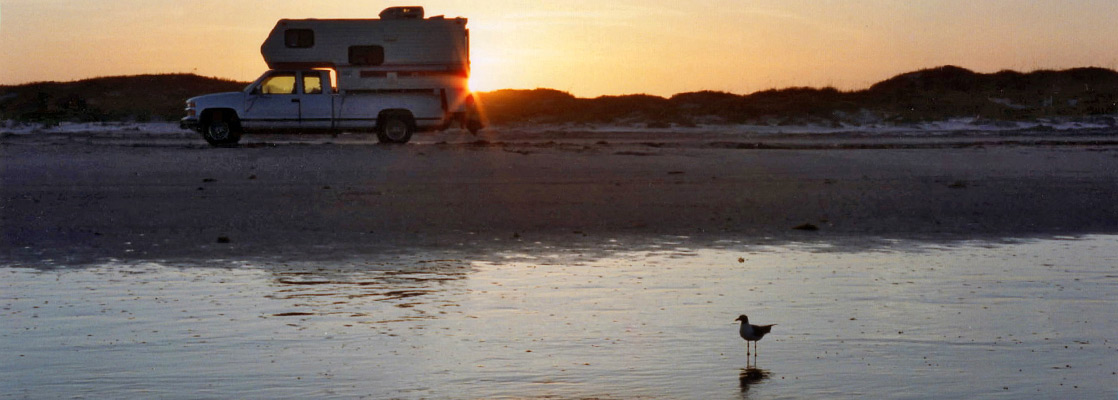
(926, 95)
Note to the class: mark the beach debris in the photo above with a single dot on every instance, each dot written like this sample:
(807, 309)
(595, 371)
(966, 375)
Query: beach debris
(223, 239)
(958, 185)
(292, 314)
(807, 226)
(208, 180)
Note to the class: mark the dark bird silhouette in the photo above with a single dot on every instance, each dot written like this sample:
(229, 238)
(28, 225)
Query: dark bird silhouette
(752, 333)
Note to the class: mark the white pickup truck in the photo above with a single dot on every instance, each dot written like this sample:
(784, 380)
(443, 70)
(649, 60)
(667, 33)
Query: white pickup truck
(394, 75)
(304, 100)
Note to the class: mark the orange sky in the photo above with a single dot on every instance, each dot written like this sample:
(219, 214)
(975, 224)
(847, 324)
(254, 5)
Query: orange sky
(588, 48)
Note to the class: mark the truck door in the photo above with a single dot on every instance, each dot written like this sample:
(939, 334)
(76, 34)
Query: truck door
(316, 107)
(273, 104)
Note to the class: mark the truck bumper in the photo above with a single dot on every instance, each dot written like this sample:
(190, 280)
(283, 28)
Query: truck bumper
(189, 123)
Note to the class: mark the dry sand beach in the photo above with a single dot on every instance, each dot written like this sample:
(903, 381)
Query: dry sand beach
(548, 264)
(153, 197)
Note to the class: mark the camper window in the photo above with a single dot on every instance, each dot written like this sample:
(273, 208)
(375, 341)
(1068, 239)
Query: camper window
(281, 83)
(366, 55)
(298, 38)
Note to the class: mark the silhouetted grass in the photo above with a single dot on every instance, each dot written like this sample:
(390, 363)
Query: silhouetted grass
(1007, 95)
(930, 94)
(925, 95)
(135, 98)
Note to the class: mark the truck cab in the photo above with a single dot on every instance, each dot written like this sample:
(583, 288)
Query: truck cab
(278, 100)
(289, 100)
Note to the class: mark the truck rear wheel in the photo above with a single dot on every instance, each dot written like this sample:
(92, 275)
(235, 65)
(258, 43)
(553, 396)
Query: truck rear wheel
(220, 130)
(473, 117)
(473, 125)
(395, 128)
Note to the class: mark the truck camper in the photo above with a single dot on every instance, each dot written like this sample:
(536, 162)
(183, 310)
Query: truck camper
(393, 75)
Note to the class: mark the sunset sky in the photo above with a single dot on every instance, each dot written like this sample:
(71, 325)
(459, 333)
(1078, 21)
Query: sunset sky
(588, 48)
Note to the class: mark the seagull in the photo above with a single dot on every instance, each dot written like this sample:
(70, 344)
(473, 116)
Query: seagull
(752, 333)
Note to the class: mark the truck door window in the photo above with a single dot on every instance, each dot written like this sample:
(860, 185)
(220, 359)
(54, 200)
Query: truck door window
(281, 83)
(312, 84)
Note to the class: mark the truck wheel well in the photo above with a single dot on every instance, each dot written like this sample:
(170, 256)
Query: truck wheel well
(220, 114)
(395, 112)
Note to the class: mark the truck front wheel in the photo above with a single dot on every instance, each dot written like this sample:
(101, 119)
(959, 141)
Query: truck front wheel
(220, 130)
(395, 128)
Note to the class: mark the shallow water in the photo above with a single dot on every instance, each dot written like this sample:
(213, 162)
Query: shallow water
(1033, 319)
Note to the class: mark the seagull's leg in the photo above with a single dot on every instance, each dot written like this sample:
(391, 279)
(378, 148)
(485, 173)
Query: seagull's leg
(747, 348)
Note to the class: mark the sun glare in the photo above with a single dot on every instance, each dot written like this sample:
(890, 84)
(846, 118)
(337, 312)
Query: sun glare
(482, 81)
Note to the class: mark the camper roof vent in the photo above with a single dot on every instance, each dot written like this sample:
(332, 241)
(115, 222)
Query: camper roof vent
(409, 12)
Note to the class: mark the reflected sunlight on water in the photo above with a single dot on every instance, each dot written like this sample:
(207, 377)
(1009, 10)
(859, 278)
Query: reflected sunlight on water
(1020, 320)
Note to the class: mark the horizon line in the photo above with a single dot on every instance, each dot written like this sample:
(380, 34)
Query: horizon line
(1007, 70)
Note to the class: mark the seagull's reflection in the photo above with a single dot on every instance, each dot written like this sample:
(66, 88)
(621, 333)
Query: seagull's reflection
(751, 376)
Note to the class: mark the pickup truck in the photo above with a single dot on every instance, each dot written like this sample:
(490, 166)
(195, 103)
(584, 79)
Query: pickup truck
(307, 100)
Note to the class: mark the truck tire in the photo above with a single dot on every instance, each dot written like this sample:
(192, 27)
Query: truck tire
(395, 128)
(220, 130)
(473, 125)
(473, 121)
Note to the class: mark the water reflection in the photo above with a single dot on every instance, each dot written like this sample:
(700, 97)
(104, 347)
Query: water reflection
(368, 294)
(750, 376)
(642, 324)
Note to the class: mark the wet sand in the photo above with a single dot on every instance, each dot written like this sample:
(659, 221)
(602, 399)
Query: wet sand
(1025, 320)
(82, 198)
